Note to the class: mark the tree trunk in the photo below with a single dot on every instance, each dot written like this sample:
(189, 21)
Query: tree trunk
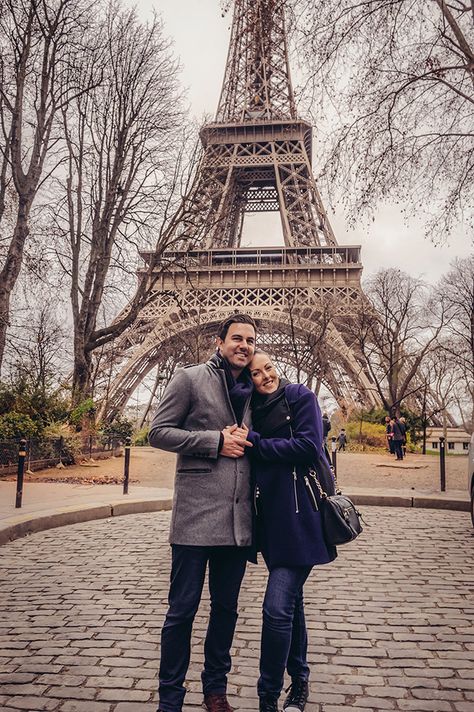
(11, 270)
(81, 383)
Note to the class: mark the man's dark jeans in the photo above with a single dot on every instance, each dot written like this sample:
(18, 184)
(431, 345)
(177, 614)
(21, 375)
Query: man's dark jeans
(226, 570)
(284, 636)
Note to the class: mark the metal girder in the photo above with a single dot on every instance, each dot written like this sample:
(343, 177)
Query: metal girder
(228, 174)
(257, 83)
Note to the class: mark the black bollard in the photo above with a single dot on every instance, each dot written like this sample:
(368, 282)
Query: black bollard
(126, 470)
(334, 454)
(442, 463)
(20, 473)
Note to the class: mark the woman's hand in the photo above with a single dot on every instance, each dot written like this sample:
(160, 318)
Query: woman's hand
(243, 431)
(235, 441)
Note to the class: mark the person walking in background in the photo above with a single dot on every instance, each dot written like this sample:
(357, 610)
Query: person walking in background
(389, 435)
(403, 425)
(326, 428)
(342, 440)
(398, 434)
(211, 522)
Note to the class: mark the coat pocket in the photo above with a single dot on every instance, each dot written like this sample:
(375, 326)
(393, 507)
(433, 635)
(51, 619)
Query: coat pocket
(193, 470)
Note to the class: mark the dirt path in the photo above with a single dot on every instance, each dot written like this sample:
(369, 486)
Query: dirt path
(155, 468)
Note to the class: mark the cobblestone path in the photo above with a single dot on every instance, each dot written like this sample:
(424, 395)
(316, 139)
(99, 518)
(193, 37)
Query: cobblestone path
(390, 622)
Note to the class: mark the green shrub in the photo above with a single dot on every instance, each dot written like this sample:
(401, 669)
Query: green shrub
(71, 446)
(17, 425)
(141, 436)
(372, 436)
(83, 411)
(120, 428)
(23, 396)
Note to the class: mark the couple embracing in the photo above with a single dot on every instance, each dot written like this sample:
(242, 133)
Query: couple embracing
(244, 440)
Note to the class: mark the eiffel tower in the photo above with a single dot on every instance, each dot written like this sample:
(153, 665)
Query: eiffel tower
(256, 158)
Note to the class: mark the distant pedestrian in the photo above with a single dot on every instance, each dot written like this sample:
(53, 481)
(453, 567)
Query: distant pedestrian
(342, 440)
(326, 428)
(398, 434)
(389, 435)
(403, 425)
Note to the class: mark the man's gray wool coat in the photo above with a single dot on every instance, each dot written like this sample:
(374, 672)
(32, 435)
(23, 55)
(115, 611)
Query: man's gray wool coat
(212, 495)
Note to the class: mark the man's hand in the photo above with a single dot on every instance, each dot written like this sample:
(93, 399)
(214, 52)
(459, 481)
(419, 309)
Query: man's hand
(235, 441)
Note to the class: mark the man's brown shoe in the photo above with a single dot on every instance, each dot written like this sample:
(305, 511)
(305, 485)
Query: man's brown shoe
(217, 703)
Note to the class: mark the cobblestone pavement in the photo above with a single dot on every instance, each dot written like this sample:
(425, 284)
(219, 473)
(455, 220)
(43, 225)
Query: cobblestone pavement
(390, 622)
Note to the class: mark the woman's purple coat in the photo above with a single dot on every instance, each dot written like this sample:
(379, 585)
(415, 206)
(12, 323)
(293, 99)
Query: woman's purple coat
(289, 531)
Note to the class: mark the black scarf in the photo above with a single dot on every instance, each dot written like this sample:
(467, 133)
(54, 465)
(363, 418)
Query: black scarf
(240, 389)
(263, 403)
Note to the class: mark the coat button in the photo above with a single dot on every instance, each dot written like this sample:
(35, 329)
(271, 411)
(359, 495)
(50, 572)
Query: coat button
(288, 417)
(236, 500)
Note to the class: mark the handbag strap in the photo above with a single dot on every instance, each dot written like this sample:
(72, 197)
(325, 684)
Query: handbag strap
(313, 471)
(314, 475)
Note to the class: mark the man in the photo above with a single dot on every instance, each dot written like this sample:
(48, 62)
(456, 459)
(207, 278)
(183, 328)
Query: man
(398, 433)
(211, 522)
(326, 427)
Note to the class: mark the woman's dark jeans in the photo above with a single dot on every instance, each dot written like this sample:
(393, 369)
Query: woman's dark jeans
(284, 636)
(226, 570)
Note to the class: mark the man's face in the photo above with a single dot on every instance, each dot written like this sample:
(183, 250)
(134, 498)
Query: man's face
(238, 346)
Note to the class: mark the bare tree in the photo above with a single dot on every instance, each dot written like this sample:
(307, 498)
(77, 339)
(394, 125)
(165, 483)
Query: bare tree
(307, 350)
(395, 330)
(395, 80)
(456, 297)
(37, 352)
(303, 353)
(122, 142)
(39, 45)
(443, 382)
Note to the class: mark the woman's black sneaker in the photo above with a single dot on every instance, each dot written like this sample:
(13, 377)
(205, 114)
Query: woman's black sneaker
(298, 693)
(268, 704)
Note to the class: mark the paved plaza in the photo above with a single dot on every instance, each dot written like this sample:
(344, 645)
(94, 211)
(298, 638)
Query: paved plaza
(391, 621)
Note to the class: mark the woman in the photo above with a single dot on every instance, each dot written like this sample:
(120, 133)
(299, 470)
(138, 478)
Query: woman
(287, 440)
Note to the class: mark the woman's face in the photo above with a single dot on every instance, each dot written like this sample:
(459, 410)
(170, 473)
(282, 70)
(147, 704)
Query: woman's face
(264, 376)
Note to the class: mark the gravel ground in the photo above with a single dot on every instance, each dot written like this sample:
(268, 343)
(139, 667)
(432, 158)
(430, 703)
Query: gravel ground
(150, 467)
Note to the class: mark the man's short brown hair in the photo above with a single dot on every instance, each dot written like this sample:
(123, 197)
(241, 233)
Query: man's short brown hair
(235, 319)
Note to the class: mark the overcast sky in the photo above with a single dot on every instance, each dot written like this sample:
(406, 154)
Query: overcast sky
(201, 39)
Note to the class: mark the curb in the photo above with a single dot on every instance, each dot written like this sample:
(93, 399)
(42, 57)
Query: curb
(30, 524)
(417, 501)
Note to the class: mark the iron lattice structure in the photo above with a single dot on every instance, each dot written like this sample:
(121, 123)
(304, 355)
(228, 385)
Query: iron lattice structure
(256, 157)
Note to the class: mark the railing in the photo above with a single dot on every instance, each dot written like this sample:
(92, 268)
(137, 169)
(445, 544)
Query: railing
(42, 453)
(15, 456)
(336, 257)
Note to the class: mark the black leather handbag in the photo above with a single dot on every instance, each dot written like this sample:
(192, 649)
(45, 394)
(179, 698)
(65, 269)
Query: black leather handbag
(340, 518)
